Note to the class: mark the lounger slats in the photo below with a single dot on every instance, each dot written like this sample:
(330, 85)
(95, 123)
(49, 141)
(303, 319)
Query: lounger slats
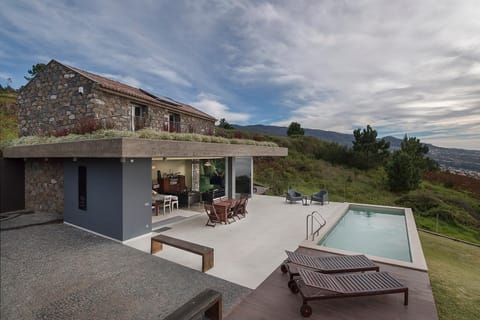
(333, 264)
(322, 281)
(351, 283)
(346, 262)
(335, 286)
(304, 260)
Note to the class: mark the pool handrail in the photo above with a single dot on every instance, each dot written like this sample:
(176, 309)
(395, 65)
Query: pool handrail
(313, 217)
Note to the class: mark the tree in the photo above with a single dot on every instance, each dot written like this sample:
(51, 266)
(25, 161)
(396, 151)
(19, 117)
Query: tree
(405, 169)
(294, 129)
(416, 150)
(224, 124)
(402, 173)
(34, 71)
(368, 151)
(8, 87)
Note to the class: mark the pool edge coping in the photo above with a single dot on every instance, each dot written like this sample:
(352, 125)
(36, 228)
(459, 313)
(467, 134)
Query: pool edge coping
(416, 251)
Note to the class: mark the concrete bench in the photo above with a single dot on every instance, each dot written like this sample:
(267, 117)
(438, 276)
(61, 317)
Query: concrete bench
(206, 252)
(207, 302)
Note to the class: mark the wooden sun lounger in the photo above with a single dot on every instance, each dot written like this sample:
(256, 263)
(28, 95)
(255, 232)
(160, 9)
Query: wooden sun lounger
(330, 264)
(331, 286)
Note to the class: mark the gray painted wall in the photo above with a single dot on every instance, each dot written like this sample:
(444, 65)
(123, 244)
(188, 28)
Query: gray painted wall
(104, 196)
(137, 197)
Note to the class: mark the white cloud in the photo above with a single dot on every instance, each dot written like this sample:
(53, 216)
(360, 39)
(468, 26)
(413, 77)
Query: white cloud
(209, 104)
(123, 79)
(404, 66)
(4, 75)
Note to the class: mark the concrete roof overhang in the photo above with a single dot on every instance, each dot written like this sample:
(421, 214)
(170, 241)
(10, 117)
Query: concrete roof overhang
(139, 148)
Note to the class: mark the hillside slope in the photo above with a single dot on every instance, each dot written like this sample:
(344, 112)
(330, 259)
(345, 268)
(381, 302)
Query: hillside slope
(457, 208)
(8, 116)
(447, 157)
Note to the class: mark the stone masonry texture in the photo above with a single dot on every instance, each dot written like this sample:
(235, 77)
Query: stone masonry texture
(44, 185)
(51, 102)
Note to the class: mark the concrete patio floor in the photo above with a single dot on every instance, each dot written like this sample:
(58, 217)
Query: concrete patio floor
(55, 271)
(246, 251)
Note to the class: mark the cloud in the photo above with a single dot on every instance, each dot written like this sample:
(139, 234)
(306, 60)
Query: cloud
(396, 66)
(4, 75)
(405, 66)
(209, 104)
(93, 31)
(123, 79)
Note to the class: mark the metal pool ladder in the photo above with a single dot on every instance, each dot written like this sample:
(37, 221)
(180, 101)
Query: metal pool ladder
(313, 217)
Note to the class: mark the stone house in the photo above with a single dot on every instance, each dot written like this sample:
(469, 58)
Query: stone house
(62, 97)
(104, 185)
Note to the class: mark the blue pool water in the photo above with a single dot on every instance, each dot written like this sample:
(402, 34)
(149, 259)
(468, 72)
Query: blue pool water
(373, 231)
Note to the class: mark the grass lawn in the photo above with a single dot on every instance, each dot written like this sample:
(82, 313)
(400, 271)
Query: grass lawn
(454, 270)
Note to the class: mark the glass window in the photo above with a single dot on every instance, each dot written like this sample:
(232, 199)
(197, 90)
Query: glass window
(139, 117)
(212, 174)
(243, 175)
(82, 188)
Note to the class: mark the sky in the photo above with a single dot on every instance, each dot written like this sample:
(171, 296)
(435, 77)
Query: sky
(404, 67)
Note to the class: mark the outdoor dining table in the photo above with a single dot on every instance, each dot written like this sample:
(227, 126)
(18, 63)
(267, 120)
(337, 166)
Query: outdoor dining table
(221, 207)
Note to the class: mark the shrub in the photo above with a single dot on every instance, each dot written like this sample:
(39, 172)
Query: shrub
(61, 133)
(419, 202)
(258, 138)
(84, 126)
(237, 135)
(448, 184)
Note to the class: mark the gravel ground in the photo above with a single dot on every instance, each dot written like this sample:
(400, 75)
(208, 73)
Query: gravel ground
(54, 271)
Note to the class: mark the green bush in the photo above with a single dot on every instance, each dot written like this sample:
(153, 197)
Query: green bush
(419, 202)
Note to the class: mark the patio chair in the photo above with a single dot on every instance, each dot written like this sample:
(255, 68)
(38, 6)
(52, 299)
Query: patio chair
(240, 208)
(244, 196)
(293, 196)
(232, 211)
(321, 196)
(213, 217)
(329, 264)
(317, 286)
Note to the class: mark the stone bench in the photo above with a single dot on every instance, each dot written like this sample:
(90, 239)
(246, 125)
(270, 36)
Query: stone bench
(207, 302)
(206, 252)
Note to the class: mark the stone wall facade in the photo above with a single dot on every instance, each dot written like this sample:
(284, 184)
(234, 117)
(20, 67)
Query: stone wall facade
(44, 185)
(196, 125)
(51, 103)
(117, 110)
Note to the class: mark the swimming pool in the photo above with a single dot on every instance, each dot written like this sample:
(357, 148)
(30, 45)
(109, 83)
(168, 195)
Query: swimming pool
(374, 231)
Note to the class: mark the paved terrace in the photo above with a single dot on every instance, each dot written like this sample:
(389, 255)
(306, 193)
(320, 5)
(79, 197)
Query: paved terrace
(246, 251)
(86, 272)
(55, 271)
(249, 252)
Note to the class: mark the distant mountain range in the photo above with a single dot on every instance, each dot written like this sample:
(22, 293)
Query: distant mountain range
(458, 159)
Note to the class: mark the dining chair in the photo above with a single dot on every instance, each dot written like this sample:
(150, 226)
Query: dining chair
(167, 203)
(174, 202)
